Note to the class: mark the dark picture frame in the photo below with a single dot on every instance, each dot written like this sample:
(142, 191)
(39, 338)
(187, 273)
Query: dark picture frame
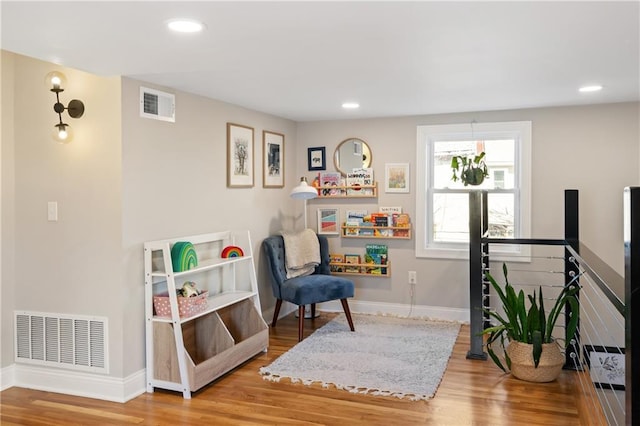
(316, 158)
(272, 159)
(606, 366)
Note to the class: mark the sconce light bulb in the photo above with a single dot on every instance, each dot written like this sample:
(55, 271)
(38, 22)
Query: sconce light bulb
(55, 81)
(62, 133)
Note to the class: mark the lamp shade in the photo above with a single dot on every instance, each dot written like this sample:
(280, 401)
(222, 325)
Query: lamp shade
(303, 191)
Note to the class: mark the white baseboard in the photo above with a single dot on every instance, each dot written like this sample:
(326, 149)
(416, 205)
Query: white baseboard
(79, 383)
(400, 310)
(7, 377)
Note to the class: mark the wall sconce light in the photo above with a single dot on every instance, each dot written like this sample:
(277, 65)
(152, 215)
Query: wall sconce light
(62, 131)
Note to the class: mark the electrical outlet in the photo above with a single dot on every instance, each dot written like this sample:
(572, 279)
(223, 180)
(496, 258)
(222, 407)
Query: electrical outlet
(413, 277)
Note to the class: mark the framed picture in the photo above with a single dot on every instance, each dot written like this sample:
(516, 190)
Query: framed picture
(272, 160)
(316, 158)
(328, 222)
(396, 177)
(239, 156)
(606, 365)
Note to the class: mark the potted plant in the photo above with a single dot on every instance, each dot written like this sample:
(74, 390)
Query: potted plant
(530, 352)
(472, 170)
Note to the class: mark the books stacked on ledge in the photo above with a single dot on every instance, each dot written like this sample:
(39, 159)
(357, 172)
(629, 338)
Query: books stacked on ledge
(401, 221)
(359, 178)
(330, 183)
(376, 254)
(336, 258)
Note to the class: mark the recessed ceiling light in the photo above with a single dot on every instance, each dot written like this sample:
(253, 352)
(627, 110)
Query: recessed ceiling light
(350, 105)
(185, 25)
(592, 88)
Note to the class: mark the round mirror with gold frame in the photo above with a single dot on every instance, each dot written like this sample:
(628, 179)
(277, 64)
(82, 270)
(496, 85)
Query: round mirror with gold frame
(352, 153)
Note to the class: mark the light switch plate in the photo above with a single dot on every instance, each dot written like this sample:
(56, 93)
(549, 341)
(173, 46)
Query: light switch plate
(52, 211)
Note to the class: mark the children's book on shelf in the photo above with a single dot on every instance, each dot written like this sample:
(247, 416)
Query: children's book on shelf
(352, 228)
(401, 221)
(366, 229)
(336, 258)
(331, 181)
(355, 215)
(378, 255)
(353, 259)
(358, 178)
(381, 223)
(380, 219)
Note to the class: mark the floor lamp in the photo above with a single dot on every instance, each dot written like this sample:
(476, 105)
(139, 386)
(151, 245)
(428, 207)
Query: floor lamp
(304, 192)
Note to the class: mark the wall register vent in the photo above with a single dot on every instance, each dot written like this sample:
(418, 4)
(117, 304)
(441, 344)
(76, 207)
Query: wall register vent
(64, 341)
(157, 105)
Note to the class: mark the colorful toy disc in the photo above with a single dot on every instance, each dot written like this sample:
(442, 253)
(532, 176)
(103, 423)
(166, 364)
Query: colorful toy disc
(232, 251)
(183, 256)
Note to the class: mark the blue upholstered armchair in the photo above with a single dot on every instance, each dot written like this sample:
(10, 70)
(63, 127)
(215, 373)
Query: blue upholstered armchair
(318, 287)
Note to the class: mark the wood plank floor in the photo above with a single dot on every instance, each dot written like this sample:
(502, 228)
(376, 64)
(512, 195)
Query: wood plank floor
(471, 393)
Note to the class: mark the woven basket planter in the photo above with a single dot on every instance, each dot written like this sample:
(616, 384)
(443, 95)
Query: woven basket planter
(522, 367)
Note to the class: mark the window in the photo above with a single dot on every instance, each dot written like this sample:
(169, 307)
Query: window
(442, 206)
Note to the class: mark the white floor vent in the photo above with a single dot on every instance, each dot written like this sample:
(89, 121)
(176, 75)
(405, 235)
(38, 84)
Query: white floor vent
(64, 341)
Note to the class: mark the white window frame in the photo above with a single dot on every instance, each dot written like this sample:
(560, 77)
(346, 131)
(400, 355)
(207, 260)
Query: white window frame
(520, 131)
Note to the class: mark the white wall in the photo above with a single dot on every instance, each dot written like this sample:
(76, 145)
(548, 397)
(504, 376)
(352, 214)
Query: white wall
(592, 148)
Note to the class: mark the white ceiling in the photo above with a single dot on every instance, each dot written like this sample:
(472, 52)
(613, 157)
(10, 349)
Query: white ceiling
(302, 60)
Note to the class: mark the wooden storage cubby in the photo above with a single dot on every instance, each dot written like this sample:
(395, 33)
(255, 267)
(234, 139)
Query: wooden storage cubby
(186, 353)
(214, 343)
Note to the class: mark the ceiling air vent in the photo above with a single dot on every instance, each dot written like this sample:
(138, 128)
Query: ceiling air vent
(157, 105)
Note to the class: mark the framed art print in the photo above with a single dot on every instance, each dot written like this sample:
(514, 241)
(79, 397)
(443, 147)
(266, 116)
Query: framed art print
(273, 160)
(606, 366)
(328, 223)
(316, 158)
(396, 177)
(239, 156)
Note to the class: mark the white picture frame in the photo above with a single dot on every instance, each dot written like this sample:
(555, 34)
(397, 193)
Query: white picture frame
(396, 177)
(328, 221)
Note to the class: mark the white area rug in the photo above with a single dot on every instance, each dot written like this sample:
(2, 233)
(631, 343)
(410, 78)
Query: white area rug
(387, 356)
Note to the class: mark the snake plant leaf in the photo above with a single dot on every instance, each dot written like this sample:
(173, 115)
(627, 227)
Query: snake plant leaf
(537, 347)
(543, 319)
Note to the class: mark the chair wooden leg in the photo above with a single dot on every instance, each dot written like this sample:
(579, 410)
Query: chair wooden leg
(347, 313)
(313, 311)
(300, 322)
(276, 312)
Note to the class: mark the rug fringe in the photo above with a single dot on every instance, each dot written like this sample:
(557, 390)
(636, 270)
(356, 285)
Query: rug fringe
(350, 389)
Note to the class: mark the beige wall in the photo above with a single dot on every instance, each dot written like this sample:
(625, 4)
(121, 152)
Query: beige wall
(71, 266)
(174, 183)
(126, 180)
(592, 149)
